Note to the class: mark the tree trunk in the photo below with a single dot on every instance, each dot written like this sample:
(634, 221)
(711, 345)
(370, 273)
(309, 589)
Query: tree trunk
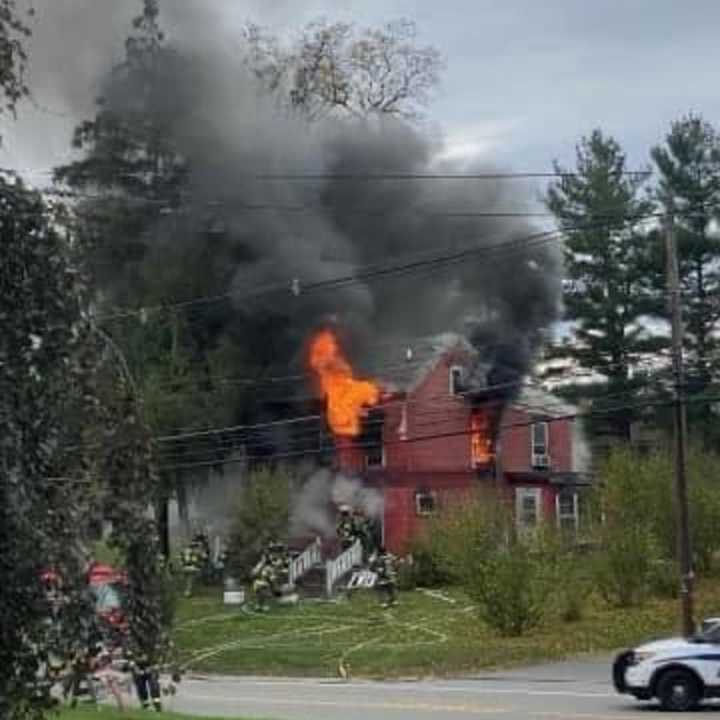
(182, 501)
(162, 519)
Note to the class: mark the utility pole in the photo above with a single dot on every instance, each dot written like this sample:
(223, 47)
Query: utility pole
(680, 427)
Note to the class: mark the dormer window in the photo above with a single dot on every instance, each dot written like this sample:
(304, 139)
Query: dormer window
(539, 450)
(457, 380)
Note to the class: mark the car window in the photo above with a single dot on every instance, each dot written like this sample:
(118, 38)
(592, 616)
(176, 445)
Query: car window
(107, 598)
(711, 635)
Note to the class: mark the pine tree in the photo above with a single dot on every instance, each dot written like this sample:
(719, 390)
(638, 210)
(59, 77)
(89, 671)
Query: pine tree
(609, 289)
(689, 187)
(129, 160)
(134, 176)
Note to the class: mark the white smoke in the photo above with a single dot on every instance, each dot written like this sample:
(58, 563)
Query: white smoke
(314, 509)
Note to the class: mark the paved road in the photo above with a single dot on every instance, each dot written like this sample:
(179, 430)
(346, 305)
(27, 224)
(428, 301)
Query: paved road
(577, 690)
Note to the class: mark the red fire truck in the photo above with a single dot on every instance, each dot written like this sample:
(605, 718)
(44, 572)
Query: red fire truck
(108, 586)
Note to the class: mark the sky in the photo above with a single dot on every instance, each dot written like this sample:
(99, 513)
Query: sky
(524, 79)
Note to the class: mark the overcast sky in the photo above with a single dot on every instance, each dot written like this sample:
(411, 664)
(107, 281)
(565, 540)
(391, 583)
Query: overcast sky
(525, 78)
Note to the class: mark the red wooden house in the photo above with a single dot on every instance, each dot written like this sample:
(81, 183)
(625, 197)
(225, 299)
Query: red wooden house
(441, 431)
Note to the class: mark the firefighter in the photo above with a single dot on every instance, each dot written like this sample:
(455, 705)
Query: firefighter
(280, 562)
(146, 678)
(201, 543)
(363, 532)
(220, 563)
(384, 565)
(265, 582)
(191, 565)
(346, 530)
(79, 675)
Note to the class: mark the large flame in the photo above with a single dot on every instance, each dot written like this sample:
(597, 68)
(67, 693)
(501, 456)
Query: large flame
(480, 439)
(347, 397)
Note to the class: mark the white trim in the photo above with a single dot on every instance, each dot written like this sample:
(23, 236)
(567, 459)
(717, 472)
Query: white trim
(575, 516)
(520, 494)
(381, 464)
(451, 378)
(425, 493)
(540, 452)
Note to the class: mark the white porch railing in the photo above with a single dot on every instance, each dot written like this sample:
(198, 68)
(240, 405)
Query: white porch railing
(311, 556)
(342, 564)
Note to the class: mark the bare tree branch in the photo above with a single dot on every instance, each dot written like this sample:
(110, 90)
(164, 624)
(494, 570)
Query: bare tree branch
(338, 69)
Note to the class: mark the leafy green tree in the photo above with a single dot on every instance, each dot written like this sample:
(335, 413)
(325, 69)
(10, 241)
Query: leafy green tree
(689, 167)
(609, 290)
(262, 513)
(638, 539)
(13, 57)
(629, 548)
(46, 351)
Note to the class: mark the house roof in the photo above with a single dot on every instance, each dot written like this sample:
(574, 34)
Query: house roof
(542, 402)
(402, 366)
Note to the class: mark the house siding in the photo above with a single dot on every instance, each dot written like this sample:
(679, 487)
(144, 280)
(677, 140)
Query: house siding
(427, 447)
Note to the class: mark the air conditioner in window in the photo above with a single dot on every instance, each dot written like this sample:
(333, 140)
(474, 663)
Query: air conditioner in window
(540, 461)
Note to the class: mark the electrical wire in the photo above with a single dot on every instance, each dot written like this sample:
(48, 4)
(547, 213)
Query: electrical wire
(425, 438)
(373, 272)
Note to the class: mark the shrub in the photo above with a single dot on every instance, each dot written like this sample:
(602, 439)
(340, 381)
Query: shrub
(638, 537)
(508, 575)
(624, 565)
(665, 579)
(572, 583)
(426, 569)
(511, 589)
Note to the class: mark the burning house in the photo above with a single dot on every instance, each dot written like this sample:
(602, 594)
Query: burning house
(435, 426)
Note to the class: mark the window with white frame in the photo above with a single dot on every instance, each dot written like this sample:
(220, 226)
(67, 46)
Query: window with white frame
(527, 507)
(425, 502)
(540, 446)
(457, 376)
(566, 509)
(375, 456)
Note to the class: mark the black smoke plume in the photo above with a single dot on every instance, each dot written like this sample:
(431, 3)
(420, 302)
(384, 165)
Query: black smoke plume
(272, 243)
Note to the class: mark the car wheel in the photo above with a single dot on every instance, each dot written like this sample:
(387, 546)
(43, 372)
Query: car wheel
(678, 690)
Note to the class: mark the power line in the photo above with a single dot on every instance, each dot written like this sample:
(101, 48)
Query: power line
(526, 242)
(432, 176)
(390, 402)
(465, 432)
(360, 446)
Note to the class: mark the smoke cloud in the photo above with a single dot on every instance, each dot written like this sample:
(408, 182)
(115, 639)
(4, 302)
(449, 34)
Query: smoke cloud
(314, 510)
(269, 242)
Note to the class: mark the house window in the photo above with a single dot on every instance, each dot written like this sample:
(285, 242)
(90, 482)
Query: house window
(457, 376)
(372, 438)
(375, 456)
(539, 450)
(425, 502)
(527, 507)
(566, 509)
(481, 451)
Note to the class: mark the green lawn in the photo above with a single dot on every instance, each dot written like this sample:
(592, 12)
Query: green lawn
(93, 713)
(423, 636)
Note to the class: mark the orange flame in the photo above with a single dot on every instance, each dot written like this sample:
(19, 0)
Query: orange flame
(480, 440)
(346, 396)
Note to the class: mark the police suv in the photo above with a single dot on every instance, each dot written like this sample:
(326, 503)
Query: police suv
(679, 672)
